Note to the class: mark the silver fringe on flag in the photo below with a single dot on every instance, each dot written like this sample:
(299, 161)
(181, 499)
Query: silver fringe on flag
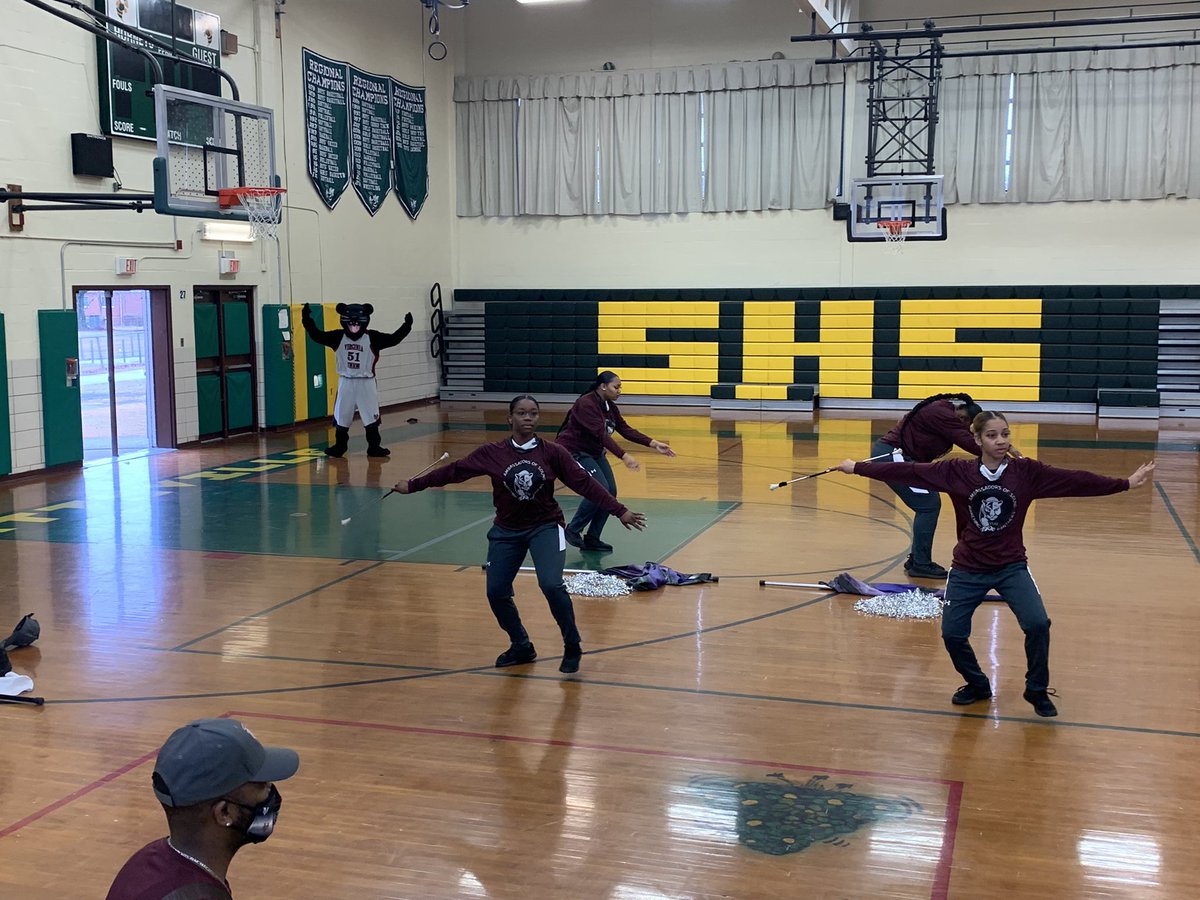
(914, 604)
(593, 584)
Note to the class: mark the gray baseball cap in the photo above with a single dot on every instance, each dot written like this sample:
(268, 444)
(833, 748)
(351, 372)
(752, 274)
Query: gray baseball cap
(208, 758)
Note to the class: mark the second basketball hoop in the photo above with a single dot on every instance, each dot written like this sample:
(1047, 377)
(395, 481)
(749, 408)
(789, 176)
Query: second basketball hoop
(895, 209)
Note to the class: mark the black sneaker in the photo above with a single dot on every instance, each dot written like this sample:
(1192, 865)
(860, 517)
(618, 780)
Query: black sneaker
(1042, 704)
(925, 570)
(574, 538)
(969, 693)
(594, 543)
(570, 660)
(516, 655)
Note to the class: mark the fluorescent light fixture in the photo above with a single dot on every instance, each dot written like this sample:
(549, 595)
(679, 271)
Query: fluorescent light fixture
(531, 2)
(227, 231)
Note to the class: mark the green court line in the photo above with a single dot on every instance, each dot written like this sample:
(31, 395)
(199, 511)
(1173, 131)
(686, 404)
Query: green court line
(1162, 492)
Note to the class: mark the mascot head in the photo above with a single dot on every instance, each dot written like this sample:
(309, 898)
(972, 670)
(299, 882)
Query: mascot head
(355, 317)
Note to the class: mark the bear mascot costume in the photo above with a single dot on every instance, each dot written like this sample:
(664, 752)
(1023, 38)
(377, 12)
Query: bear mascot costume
(356, 349)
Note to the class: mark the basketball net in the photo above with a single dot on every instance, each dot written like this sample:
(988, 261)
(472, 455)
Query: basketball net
(263, 206)
(894, 231)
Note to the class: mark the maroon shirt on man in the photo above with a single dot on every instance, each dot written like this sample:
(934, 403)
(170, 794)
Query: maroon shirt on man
(158, 872)
(991, 514)
(523, 482)
(589, 426)
(930, 432)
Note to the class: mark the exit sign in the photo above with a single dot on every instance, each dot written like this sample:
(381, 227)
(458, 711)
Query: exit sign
(126, 103)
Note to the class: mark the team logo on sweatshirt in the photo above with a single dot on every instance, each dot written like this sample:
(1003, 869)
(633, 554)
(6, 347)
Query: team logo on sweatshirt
(992, 508)
(524, 478)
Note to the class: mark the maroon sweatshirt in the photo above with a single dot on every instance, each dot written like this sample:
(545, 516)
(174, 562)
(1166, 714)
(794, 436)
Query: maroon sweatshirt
(931, 432)
(991, 514)
(589, 426)
(523, 482)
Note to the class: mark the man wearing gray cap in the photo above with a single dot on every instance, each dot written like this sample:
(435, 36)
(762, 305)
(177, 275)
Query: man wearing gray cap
(215, 782)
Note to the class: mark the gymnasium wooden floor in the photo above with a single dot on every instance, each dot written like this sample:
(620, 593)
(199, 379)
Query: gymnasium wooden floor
(723, 740)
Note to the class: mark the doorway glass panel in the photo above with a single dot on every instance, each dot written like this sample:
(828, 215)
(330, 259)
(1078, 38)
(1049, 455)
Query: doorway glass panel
(115, 370)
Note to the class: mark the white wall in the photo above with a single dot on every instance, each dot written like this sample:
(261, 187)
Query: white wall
(48, 69)
(1148, 242)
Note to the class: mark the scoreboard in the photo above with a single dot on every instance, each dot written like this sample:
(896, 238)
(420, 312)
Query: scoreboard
(125, 79)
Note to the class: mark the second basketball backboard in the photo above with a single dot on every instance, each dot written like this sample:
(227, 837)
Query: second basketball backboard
(910, 202)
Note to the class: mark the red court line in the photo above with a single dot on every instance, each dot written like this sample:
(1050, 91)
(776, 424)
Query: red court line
(71, 798)
(86, 789)
(941, 882)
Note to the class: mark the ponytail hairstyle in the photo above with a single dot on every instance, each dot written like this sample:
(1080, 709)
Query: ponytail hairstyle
(982, 418)
(958, 400)
(604, 377)
(512, 404)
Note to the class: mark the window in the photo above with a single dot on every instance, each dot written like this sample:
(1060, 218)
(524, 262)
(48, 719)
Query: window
(1008, 131)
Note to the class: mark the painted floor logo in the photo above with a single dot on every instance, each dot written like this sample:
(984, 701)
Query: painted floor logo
(778, 816)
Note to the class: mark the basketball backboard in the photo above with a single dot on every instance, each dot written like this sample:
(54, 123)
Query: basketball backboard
(207, 143)
(915, 200)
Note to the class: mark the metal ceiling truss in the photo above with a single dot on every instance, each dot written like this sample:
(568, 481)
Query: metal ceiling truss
(905, 61)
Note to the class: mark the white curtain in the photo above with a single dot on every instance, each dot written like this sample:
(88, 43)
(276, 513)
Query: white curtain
(970, 140)
(486, 151)
(1087, 125)
(742, 136)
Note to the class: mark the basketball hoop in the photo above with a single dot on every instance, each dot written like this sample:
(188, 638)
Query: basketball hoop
(893, 230)
(263, 207)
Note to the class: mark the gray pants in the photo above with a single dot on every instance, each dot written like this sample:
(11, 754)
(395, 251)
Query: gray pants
(506, 552)
(925, 507)
(964, 593)
(589, 515)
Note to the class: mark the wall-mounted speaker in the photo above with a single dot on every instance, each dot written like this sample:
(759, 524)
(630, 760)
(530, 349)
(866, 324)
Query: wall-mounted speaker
(91, 154)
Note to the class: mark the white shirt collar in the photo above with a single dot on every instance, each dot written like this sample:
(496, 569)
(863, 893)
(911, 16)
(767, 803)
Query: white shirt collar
(989, 474)
(529, 445)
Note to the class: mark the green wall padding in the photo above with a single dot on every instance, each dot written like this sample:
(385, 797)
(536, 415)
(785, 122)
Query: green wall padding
(278, 365)
(318, 403)
(62, 413)
(207, 343)
(239, 394)
(237, 327)
(208, 401)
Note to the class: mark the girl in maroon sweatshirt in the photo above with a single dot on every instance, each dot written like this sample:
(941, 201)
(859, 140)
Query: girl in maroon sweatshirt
(528, 520)
(991, 496)
(929, 430)
(587, 432)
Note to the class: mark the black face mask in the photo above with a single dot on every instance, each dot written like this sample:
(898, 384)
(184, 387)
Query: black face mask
(266, 814)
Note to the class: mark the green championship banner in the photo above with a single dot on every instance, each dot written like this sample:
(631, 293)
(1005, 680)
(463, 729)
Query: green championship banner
(327, 125)
(410, 150)
(370, 137)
